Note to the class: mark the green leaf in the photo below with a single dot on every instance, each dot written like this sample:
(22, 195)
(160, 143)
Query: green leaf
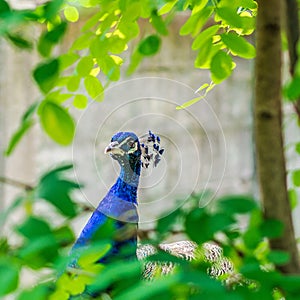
(220, 66)
(205, 37)
(57, 122)
(135, 61)
(19, 41)
(85, 66)
(252, 237)
(189, 103)
(297, 148)
(278, 257)
(238, 45)
(130, 30)
(292, 89)
(94, 88)
(39, 292)
(39, 251)
(9, 273)
(158, 23)
(209, 224)
(51, 8)
(293, 198)
(196, 21)
(236, 204)
(150, 45)
(50, 38)
(230, 16)
(167, 7)
(71, 13)
(206, 53)
(46, 74)
(296, 178)
(165, 224)
(57, 190)
(80, 101)
(26, 124)
(34, 227)
(4, 7)
(64, 235)
(73, 83)
(271, 228)
(67, 60)
(17, 136)
(92, 254)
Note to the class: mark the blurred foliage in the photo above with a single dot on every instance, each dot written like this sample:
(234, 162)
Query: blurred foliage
(37, 246)
(109, 28)
(33, 244)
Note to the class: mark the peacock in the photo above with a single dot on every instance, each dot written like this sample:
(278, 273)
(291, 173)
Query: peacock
(120, 205)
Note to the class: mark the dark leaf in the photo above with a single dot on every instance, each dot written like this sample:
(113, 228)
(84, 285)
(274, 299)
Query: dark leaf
(56, 190)
(33, 228)
(150, 45)
(46, 74)
(237, 204)
(19, 41)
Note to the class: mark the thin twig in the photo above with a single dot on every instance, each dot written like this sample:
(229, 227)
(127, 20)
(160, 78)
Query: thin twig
(16, 183)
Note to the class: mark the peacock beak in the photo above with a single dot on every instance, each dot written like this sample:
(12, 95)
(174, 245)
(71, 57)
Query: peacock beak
(113, 148)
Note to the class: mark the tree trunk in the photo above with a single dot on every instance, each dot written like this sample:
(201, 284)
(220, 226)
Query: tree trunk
(268, 129)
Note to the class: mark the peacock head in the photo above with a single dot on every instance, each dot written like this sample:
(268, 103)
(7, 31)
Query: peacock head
(125, 148)
(128, 149)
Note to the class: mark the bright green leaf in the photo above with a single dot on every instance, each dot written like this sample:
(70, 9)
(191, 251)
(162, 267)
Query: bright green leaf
(94, 87)
(85, 66)
(67, 60)
(206, 53)
(205, 37)
(73, 83)
(293, 198)
(57, 122)
(71, 13)
(167, 7)
(158, 23)
(297, 148)
(189, 103)
(46, 74)
(238, 45)
(292, 90)
(150, 45)
(296, 178)
(80, 101)
(220, 66)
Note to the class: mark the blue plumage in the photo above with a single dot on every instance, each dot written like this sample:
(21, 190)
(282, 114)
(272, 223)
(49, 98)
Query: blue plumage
(120, 203)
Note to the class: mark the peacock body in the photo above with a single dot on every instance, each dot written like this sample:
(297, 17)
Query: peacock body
(120, 205)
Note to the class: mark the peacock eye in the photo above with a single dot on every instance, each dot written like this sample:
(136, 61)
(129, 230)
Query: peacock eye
(131, 144)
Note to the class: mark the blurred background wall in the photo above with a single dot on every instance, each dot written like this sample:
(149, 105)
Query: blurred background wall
(208, 146)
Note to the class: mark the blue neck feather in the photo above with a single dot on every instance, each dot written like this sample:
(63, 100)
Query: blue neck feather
(119, 204)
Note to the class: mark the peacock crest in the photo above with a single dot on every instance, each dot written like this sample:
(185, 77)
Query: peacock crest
(151, 150)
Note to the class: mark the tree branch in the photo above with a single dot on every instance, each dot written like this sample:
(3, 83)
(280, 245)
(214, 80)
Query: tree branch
(16, 183)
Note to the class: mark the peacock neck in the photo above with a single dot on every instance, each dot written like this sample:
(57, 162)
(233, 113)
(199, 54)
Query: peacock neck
(128, 181)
